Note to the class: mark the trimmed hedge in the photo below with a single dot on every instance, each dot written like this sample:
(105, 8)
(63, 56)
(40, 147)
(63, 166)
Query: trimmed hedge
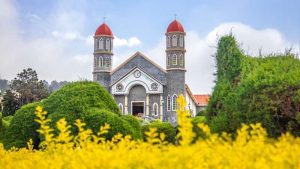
(22, 127)
(95, 118)
(71, 102)
(135, 123)
(162, 127)
(77, 97)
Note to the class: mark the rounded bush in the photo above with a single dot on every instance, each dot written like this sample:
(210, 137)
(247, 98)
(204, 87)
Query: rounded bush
(77, 97)
(69, 117)
(22, 127)
(135, 123)
(95, 118)
(70, 102)
(162, 127)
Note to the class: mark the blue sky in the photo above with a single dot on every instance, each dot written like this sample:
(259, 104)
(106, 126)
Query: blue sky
(56, 34)
(149, 19)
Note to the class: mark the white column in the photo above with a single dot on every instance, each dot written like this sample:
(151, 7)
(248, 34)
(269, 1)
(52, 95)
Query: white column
(161, 107)
(147, 105)
(126, 104)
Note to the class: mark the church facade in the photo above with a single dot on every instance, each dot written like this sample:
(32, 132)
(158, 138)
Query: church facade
(140, 86)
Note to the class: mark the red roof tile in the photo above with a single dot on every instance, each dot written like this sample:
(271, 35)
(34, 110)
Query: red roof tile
(175, 26)
(202, 99)
(103, 29)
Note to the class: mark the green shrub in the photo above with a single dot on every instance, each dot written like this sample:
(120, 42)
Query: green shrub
(254, 89)
(4, 124)
(77, 97)
(22, 127)
(195, 121)
(69, 117)
(0, 120)
(135, 123)
(162, 127)
(95, 118)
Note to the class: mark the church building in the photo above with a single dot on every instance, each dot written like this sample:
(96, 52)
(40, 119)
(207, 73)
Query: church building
(140, 86)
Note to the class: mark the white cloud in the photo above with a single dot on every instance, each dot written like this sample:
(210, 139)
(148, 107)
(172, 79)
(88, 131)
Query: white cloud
(33, 17)
(133, 41)
(58, 57)
(200, 64)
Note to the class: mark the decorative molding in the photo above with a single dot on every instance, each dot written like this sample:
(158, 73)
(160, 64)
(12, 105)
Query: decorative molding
(137, 77)
(175, 32)
(176, 69)
(143, 56)
(109, 36)
(102, 52)
(171, 49)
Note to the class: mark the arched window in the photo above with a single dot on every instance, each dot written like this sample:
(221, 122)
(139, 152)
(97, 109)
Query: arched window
(107, 62)
(181, 59)
(168, 41)
(169, 59)
(169, 103)
(155, 109)
(100, 45)
(174, 40)
(121, 107)
(181, 41)
(174, 102)
(96, 62)
(100, 62)
(174, 59)
(107, 44)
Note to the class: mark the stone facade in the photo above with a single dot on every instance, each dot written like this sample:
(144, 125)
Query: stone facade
(140, 86)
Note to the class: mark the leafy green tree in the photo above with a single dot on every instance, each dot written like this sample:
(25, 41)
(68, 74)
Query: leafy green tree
(29, 87)
(10, 103)
(25, 88)
(251, 90)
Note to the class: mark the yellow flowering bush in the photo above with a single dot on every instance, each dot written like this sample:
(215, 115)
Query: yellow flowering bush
(250, 149)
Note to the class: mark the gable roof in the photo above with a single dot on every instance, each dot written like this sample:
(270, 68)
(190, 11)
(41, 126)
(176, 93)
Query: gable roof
(138, 53)
(189, 92)
(202, 99)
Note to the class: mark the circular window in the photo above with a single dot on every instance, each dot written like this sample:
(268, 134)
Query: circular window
(154, 86)
(137, 74)
(119, 87)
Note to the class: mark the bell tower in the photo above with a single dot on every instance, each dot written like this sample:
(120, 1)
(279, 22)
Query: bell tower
(103, 53)
(175, 66)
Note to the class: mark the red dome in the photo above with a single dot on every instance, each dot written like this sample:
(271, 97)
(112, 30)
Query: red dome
(103, 29)
(175, 26)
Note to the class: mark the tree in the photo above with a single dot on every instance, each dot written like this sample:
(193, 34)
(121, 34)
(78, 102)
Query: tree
(25, 88)
(10, 103)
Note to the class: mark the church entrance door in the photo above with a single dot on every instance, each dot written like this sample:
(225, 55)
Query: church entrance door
(137, 108)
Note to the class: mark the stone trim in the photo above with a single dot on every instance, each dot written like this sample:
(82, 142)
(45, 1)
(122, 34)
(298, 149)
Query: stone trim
(98, 36)
(189, 92)
(183, 69)
(138, 54)
(102, 52)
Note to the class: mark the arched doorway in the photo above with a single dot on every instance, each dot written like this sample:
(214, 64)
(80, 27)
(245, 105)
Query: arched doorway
(137, 98)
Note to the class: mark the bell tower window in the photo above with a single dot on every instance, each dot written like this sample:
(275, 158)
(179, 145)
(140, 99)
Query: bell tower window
(107, 62)
(174, 40)
(100, 44)
(174, 59)
(181, 41)
(107, 44)
(168, 41)
(181, 59)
